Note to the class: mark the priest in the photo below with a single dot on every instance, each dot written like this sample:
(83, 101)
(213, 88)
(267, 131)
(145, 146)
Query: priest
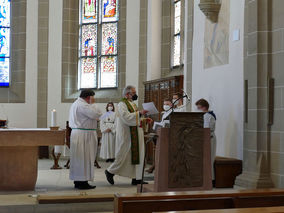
(83, 147)
(129, 155)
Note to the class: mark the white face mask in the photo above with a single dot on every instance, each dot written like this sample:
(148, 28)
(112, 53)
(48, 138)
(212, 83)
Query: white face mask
(166, 107)
(110, 108)
(175, 102)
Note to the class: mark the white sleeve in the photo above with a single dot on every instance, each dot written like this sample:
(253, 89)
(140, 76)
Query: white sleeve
(89, 111)
(207, 119)
(128, 118)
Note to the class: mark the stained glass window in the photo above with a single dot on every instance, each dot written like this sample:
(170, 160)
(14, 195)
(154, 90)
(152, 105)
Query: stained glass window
(89, 40)
(109, 10)
(109, 39)
(4, 42)
(108, 71)
(88, 72)
(90, 11)
(98, 44)
(177, 31)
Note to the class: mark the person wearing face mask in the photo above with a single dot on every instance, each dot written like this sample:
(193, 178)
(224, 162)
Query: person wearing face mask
(209, 122)
(129, 156)
(178, 103)
(83, 146)
(108, 128)
(167, 107)
(165, 117)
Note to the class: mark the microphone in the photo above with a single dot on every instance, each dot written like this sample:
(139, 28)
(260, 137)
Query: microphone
(186, 95)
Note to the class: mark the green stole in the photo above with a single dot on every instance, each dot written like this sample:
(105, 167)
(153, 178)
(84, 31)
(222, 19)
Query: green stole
(134, 136)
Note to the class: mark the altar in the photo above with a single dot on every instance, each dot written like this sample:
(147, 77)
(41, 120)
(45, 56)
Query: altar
(19, 155)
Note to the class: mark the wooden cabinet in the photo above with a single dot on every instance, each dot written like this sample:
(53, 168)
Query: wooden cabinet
(158, 90)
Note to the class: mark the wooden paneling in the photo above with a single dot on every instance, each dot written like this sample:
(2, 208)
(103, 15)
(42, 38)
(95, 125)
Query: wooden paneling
(160, 89)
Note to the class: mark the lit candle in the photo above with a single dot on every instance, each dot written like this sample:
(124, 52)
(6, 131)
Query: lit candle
(53, 118)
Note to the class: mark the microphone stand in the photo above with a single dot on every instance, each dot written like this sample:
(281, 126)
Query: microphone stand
(172, 108)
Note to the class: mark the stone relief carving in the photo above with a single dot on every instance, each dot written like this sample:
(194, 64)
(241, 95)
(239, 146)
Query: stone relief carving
(186, 151)
(216, 38)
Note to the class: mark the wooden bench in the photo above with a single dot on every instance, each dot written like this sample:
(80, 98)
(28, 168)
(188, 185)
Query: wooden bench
(244, 210)
(198, 200)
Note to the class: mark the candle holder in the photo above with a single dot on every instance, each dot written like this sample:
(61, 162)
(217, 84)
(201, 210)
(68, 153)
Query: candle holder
(54, 128)
(56, 160)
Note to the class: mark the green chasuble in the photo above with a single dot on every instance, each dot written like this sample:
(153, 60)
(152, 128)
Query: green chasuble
(134, 135)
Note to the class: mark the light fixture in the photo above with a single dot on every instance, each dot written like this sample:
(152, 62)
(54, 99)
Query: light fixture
(211, 9)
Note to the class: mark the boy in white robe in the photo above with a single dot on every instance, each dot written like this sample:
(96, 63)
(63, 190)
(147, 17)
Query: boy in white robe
(165, 117)
(108, 128)
(209, 122)
(83, 147)
(130, 140)
(178, 103)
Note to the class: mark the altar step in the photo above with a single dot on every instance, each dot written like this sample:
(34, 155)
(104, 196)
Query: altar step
(62, 208)
(81, 198)
(69, 204)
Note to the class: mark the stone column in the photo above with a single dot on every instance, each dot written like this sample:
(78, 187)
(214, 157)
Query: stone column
(258, 71)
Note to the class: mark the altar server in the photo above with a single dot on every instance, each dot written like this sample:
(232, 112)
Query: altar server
(129, 138)
(82, 119)
(165, 115)
(209, 122)
(178, 103)
(108, 125)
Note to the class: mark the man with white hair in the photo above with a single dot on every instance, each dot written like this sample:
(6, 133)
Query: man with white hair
(129, 155)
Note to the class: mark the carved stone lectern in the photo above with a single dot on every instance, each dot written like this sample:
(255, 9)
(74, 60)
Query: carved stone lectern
(182, 159)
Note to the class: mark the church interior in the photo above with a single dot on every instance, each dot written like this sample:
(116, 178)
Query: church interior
(141, 106)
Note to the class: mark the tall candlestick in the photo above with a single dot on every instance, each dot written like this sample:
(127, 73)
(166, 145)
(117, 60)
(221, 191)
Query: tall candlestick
(53, 118)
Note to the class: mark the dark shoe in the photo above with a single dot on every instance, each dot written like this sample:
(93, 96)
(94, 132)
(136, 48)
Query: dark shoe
(111, 160)
(108, 160)
(76, 184)
(135, 182)
(109, 177)
(85, 185)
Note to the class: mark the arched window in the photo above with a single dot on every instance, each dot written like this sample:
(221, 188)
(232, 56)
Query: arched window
(5, 6)
(98, 47)
(176, 56)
